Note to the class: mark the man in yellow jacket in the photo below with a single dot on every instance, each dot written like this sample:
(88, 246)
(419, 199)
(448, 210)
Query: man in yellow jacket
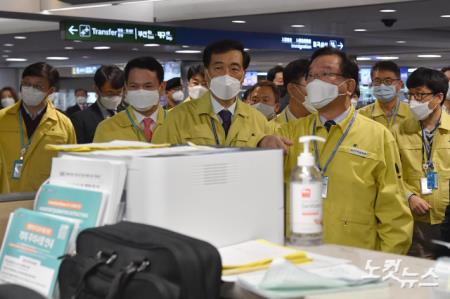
(388, 110)
(424, 143)
(218, 117)
(29, 125)
(142, 119)
(363, 202)
(295, 83)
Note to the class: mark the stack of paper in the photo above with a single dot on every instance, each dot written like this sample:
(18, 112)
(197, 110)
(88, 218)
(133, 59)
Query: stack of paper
(113, 145)
(256, 255)
(31, 249)
(105, 175)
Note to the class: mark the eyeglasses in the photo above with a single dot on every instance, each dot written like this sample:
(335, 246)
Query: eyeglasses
(418, 96)
(385, 81)
(38, 87)
(326, 75)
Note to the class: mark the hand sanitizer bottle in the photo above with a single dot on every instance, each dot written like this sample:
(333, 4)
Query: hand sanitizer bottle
(306, 198)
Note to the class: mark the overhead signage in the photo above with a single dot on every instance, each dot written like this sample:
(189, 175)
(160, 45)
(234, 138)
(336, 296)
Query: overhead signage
(131, 33)
(257, 40)
(116, 32)
(85, 70)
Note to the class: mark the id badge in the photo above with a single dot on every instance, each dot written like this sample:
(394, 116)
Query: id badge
(424, 186)
(17, 169)
(324, 187)
(432, 180)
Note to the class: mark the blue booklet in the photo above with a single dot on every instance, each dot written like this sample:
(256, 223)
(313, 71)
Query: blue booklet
(83, 204)
(32, 245)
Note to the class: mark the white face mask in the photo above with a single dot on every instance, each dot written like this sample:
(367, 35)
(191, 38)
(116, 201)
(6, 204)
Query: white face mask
(6, 102)
(384, 93)
(178, 96)
(141, 99)
(321, 93)
(225, 87)
(419, 110)
(81, 100)
(111, 102)
(196, 92)
(32, 96)
(305, 103)
(267, 110)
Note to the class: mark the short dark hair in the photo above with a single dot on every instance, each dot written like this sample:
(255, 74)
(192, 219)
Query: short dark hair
(273, 71)
(43, 70)
(224, 46)
(109, 73)
(434, 80)
(348, 67)
(146, 62)
(196, 69)
(267, 83)
(294, 71)
(12, 91)
(386, 66)
(445, 69)
(81, 89)
(173, 83)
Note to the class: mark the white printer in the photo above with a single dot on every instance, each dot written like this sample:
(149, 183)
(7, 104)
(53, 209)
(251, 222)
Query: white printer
(223, 196)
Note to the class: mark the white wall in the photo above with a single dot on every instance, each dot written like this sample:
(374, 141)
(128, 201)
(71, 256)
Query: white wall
(9, 77)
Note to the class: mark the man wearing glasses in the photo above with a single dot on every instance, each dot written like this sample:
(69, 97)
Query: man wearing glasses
(363, 198)
(388, 110)
(424, 143)
(31, 124)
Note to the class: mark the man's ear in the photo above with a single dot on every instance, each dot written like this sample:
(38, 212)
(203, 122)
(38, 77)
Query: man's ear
(242, 79)
(290, 89)
(51, 90)
(351, 85)
(277, 108)
(162, 88)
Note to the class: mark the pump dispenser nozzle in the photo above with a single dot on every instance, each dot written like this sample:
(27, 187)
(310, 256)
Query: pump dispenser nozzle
(306, 158)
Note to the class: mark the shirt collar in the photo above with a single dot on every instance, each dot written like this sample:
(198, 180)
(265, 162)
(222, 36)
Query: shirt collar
(33, 117)
(103, 110)
(140, 117)
(339, 118)
(217, 107)
(289, 114)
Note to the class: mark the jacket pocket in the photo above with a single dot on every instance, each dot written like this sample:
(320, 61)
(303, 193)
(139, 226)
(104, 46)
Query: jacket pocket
(200, 134)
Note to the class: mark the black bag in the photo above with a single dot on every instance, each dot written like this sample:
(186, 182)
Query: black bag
(135, 261)
(13, 291)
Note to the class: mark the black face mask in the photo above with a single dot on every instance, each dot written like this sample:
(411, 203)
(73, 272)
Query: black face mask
(281, 90)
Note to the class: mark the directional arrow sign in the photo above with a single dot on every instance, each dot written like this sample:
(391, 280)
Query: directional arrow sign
(72, 30)
(117, 32)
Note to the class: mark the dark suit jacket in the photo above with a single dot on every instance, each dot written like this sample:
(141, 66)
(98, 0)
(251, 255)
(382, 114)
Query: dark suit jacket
(72, 110)
(85, 123)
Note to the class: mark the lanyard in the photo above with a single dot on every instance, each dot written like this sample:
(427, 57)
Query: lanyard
(23, 146)
(213, 126)
(427, 159)
(324, 170)
(391, 119)
(138, 130)
(286, 115)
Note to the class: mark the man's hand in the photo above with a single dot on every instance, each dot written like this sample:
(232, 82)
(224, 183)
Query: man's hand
(275, 142)
(418, 205)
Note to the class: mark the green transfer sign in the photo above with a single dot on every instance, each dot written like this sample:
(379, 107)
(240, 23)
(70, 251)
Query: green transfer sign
(116, 32)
